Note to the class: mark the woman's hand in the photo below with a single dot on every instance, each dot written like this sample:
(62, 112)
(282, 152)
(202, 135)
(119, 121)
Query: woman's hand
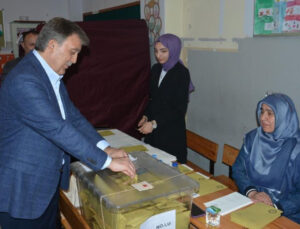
(142, 121)
(146, 128)
(261, 197)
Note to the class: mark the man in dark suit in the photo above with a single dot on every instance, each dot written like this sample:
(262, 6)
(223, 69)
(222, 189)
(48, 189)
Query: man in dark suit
(40, 127)
(28, 43)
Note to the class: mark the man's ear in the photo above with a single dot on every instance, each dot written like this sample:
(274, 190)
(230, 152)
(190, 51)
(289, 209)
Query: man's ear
(51, 44)
(22, 44)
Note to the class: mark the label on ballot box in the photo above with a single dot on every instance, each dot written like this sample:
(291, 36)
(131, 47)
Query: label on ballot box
(166, 220)
(142, 186)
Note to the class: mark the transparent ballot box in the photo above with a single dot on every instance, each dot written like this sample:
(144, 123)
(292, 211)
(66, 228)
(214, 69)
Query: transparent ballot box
(159, 196)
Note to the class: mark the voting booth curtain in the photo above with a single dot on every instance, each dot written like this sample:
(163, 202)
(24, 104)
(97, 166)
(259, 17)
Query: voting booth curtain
(110, 82)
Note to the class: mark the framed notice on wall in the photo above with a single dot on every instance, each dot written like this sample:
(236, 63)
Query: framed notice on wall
(276, 17)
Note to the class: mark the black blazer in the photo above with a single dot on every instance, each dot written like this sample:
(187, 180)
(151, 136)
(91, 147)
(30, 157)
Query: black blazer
(168, 106)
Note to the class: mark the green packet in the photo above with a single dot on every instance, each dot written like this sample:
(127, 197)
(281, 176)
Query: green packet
(213, 210)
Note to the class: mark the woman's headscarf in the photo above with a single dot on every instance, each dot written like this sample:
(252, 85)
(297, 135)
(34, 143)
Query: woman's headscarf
(270, 152)
(173, 43)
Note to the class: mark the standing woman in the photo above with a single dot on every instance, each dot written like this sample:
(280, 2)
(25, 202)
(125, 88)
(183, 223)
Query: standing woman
(164, 119)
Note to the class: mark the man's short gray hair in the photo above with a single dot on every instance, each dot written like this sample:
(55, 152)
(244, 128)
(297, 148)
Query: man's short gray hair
(59, 29)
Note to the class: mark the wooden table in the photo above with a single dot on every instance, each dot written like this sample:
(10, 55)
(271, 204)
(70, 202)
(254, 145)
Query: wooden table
(77, 221)
(281, 222)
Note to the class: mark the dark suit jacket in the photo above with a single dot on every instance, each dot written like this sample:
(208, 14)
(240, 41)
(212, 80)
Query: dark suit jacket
(34, 140)
(168, 106)
(9, 66)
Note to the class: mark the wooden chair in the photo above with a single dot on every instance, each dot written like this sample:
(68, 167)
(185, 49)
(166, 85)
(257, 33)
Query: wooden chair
(203, 147)
(229, 155)
(73, 218)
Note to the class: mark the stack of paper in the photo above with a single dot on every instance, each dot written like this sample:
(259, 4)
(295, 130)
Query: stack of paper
(198, 176)
(230, 202)
(256, 216)
(207, 185)
(183, 168)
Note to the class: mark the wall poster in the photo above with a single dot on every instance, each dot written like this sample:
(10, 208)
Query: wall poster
(276, 17)
(151, 11)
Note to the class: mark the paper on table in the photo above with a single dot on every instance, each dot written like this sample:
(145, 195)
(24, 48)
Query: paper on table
(183, 168)
(201, 174)
(197, 176)
(230, 202)
(255, 216)
(129, 149)
(105, 133)
(120, 139)
(207, 185)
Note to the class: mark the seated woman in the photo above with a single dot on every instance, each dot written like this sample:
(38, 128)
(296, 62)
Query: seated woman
(267, 168)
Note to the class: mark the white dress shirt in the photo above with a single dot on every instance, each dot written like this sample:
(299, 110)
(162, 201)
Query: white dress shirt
(55, 82)
(162, 76)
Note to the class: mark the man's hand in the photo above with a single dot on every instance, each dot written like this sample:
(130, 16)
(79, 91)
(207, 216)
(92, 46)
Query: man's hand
(115, 153)
(120, 161)
(260, 197)
(123, 165)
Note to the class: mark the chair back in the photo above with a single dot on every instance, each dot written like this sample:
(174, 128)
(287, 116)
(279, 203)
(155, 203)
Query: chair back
(230, 153)
(203, 147)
